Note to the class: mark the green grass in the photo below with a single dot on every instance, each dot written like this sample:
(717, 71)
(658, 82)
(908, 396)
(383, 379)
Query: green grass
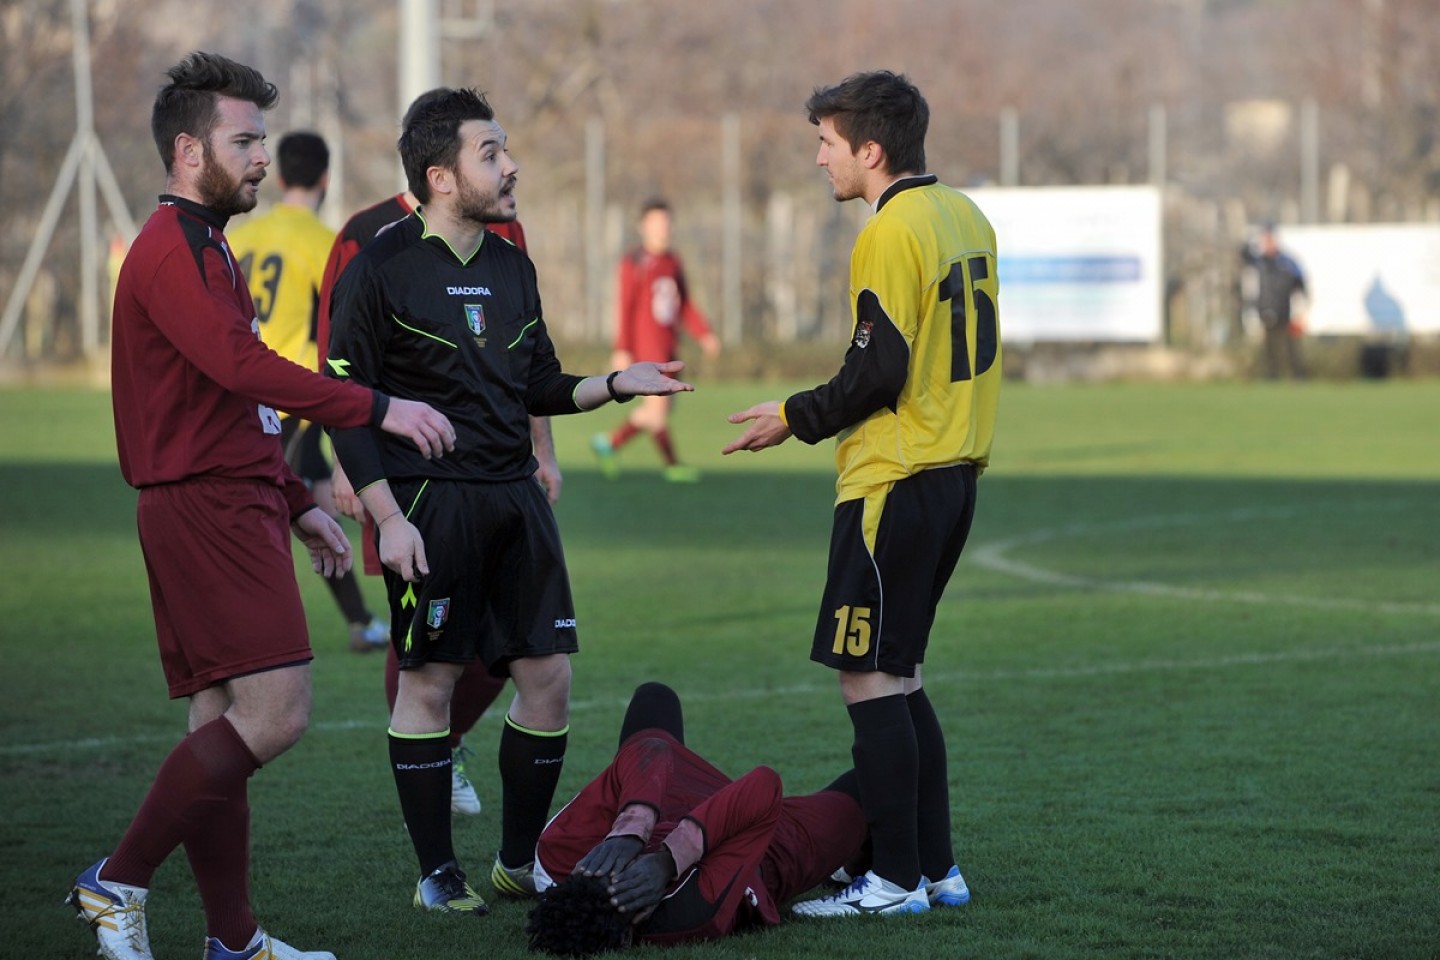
(1188, 671)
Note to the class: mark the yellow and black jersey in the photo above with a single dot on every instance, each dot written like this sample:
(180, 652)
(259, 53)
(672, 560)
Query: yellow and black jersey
(282, 254)
(921, 378)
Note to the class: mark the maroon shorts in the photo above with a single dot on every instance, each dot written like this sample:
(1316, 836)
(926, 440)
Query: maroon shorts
(222, 580)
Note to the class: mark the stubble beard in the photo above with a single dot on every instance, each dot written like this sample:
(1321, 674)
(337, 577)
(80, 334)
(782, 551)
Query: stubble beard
(222, 193)
(477, 206)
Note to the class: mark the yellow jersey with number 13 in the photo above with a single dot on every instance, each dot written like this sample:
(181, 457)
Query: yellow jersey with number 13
(282, 254)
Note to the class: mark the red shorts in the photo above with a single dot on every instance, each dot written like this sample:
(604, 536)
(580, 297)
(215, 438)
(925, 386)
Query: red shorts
(222, 580)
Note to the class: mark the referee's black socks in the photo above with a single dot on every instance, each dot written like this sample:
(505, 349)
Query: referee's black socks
(530, 763)
(887, 767)
(422, 767)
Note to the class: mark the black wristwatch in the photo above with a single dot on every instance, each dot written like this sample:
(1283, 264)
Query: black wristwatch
(610, 385)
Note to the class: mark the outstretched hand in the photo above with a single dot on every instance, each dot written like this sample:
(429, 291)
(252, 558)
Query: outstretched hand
(609, 856)
(647, 379)
(766, 430)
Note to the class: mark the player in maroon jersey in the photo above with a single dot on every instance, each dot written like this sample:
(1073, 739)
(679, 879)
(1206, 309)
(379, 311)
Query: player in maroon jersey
(654, 303)
(195, 393)
(662, 847)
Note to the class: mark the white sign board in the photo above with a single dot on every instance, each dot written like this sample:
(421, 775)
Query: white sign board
(1365, 280)
(1078, 263)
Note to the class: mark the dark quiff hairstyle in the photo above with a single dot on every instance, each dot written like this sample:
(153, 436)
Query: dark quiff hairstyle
(431, 133)
(576, 919)
(303, 158)
(187, 103)
(881, 106)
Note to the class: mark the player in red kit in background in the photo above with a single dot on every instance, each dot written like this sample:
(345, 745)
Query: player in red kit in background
(654, 303)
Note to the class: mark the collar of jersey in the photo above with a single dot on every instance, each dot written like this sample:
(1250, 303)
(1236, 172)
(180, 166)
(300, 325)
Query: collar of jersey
(905, 183)
(425, 234)
(194, 209)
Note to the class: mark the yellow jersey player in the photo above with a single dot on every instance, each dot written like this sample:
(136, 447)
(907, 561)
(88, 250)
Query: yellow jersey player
(913, 413)
(282, 254)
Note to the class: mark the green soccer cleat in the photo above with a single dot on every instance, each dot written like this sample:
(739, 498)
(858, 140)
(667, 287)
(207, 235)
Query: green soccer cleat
(681, 473)
(513, 881)
(609, 466)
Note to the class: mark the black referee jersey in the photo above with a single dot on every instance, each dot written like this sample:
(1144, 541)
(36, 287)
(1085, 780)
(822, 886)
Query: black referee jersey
(468, 338)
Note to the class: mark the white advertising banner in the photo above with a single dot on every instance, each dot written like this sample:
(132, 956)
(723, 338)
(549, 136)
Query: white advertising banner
(1365, 279)
(1078, 264)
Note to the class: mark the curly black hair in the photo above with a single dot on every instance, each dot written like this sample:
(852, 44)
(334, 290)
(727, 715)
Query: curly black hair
(576, 919)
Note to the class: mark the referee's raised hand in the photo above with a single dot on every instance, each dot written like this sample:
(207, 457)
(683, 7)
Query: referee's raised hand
(422, 424)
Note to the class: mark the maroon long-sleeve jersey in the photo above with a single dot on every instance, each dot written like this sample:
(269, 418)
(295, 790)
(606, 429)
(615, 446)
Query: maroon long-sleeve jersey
(654, 304)
(194, 388)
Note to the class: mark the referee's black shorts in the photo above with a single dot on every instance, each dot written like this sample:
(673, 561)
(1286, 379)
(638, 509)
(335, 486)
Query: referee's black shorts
(891, 555)
(497, 588)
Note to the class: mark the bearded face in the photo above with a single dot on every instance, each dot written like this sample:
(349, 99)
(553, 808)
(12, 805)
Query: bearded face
(479, 205)
(225, 192)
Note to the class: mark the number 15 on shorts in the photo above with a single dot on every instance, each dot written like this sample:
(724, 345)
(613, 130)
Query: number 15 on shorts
(852, 631)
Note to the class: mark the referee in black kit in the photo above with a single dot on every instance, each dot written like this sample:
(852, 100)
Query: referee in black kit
(436, 308)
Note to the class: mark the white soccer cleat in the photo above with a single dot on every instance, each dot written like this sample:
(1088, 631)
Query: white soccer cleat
(262, 946)
(867, 894)
(463, 798)
(949, 891)
(115, 911)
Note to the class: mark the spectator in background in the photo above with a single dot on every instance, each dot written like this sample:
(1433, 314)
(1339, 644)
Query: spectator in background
(654, 300)
(282, 254)
(1278, 282)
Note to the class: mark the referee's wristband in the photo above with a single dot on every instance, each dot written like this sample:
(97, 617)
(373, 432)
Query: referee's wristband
(610, 385)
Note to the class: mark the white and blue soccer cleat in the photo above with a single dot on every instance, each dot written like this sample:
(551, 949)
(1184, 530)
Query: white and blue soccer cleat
(867, 894)
(115, 911)
(949, 891)
(262, 946)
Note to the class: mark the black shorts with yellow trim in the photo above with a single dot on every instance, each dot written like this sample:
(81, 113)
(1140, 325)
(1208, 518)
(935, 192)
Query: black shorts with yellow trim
(497, 589)
(891, 556)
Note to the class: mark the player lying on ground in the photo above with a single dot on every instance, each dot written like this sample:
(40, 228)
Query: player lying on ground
(662, 847)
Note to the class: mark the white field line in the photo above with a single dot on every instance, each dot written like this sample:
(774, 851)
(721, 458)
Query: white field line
(1148, 665)
(992, 556)
(995, 556)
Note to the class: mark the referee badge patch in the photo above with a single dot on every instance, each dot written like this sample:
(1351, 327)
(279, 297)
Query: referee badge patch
(438, 613)
(475, 320)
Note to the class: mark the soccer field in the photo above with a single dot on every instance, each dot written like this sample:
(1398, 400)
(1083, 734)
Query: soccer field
(1189, 672)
